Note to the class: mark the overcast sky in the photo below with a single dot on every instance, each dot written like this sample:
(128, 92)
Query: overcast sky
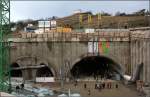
(42, 9)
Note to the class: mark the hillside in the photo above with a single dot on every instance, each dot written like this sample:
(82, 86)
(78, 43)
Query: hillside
(105, 22)
(114, 22)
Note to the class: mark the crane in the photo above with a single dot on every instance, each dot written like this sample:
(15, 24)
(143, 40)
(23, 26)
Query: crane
(4, 45)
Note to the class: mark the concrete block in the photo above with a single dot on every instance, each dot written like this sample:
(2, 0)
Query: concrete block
(39, 39)
(39, 35)
(29, 35)
(34, 35)
(23, 35)
(50, 35)
(45, 35)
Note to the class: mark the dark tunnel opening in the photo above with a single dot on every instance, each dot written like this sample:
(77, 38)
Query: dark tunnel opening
(96, 67)
(44, 72)
(15, 73)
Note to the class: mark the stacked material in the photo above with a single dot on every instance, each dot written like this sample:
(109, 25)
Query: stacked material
(3, 94)
(89, 30)
(63, 29)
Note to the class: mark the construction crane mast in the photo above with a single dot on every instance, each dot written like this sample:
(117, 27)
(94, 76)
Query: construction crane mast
(4, 45)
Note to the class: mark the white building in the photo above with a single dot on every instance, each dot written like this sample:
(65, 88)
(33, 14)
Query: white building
(45, 26)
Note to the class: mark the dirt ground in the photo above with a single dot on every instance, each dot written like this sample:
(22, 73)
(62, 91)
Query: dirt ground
(121, 91)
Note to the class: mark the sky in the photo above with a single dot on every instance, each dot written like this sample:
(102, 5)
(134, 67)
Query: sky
(21, 10)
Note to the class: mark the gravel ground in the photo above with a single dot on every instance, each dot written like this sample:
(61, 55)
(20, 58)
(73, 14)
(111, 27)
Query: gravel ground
(122, 91)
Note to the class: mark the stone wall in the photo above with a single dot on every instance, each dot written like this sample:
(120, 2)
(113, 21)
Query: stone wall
(63, 50)
(140, 53)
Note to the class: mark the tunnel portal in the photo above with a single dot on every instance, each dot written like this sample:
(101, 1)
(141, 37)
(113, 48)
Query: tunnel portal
(44, 72)
(15, 73)
(96, 66)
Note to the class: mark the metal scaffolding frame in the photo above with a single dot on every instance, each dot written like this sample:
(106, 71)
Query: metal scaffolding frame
(4, 45)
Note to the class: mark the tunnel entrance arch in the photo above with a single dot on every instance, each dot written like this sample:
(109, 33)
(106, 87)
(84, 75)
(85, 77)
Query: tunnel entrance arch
(96, 66)
(44, 71)
(45, 74)
(15, 71)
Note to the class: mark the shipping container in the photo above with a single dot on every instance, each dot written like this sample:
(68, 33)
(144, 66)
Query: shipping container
(47, 24)
(53, 23)
(41, 23)
(87, 30)
(44, 23)
(79, 30)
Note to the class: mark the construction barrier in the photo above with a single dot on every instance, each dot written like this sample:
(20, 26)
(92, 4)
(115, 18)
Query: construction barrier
(45, 79)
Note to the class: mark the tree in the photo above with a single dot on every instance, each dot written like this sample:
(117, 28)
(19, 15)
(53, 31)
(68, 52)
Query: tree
(12, 24)
(117, 13)
(120, 14)
(105, 14)
(20, 25)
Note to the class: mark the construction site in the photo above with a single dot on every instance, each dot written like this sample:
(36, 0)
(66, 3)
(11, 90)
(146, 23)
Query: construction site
(81, 55)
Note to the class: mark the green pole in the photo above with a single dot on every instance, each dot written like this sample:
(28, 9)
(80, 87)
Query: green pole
(4, 45)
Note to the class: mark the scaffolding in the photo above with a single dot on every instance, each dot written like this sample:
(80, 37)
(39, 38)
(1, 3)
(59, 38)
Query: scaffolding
(4, 45)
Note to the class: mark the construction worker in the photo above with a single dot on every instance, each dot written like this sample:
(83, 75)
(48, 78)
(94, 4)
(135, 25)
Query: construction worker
(85, 86)
(17, 89)
(22, 86)
(100, 87)
(107, 85)
(89, 92)
(75, 83)
(116, 86)
(141, 86)
(110, 85)
(103, 84)
(95, 85)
